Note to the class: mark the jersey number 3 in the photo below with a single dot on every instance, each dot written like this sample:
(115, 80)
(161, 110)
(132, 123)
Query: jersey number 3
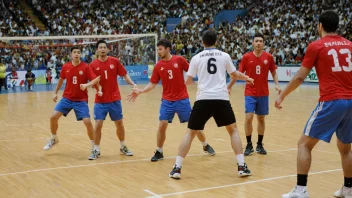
(337, 67)
(170, 74)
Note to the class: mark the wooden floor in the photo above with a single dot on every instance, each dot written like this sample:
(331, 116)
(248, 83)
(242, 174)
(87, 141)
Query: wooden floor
(26, 170)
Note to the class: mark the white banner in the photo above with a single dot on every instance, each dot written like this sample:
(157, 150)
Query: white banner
(285, 74)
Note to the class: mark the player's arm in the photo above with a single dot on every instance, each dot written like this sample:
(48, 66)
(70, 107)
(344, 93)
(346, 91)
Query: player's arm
(129, 80)
(189, 80)
(272, 68)
(241, 76)
(137, 91)
(242, 69)
(192, 71)
(276, 81)
(90, 84)
(295, 82)
(307, 65)
(58, 87)
(231, 83)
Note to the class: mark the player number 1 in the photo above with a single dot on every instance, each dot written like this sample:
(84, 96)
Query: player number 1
(257, 69)
(337, 67)
(74, 80)
(106, 74)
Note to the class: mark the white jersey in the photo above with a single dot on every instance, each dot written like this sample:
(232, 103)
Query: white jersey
(210, 66)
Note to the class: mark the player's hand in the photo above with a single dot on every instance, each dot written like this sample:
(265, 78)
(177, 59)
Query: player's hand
(278, 102)
(55, 97)
(229, 90)
(83, 87)
(250, 81)
(278, 89)
(133, 96)
(100, 93)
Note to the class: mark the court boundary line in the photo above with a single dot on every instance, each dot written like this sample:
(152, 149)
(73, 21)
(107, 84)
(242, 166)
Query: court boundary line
(152, 193)
(239, 184)
(118, 162)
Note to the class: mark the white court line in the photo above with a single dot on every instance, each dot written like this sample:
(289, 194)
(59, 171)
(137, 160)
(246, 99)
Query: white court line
(150, 192)
(240, 184)
(117, 162)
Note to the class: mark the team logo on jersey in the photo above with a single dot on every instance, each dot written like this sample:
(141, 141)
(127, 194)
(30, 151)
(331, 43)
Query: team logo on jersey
(80, 72)
(176, 65)
(97, 69)
(265, 61)
(161, 69)
(112, 66)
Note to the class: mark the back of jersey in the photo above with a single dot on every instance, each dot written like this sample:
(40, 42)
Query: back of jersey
(331, 56)
(210, 66)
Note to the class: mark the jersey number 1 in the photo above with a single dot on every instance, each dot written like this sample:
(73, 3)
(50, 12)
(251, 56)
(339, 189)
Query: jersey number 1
(337, 67)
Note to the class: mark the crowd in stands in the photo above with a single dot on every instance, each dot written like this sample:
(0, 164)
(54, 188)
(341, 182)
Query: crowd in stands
(288, 26)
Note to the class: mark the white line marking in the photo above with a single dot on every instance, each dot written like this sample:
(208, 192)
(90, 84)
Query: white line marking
(150, 192)
(117, 162)
(240, 184)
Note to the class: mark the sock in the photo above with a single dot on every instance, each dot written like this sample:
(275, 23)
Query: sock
(92, 142)
(54, 136)
(179, 161)
(240, 159)
(249, 138)
(97, 147)
(302, 180)
(122, 143)
(301, 188)
(348, 182)
(204, 143)
(159, 149)
(260, 139)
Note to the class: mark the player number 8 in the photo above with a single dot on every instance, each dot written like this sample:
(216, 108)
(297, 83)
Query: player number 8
(257, 70)
(74, 80)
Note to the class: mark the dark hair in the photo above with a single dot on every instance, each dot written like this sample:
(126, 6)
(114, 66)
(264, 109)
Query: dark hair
(209, 38)
(165, 43)
(75, 47)
(330, 21)
(258, 35)
(99, 42)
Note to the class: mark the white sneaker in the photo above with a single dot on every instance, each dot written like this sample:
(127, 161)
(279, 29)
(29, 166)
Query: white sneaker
(126, 151)
(94, 154)
(296, 194)
(51, 143)
(344, 192)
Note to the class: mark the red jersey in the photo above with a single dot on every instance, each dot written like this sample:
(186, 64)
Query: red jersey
(331, 56)
(171, 75)
(257, 68)
(108, 72)
(75, 76)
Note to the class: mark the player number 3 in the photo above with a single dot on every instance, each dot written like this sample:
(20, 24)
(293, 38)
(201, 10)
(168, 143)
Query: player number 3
(170, 74)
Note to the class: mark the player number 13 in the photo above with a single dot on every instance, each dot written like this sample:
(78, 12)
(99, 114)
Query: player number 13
(337, 67)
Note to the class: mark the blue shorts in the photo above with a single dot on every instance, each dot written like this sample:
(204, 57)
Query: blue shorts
(80, 107)
(113, 108)
(169, 108)
(258, 105)
(329, 117)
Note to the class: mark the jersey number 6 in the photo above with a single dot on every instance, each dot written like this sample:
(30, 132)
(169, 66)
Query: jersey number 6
(211, 66)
